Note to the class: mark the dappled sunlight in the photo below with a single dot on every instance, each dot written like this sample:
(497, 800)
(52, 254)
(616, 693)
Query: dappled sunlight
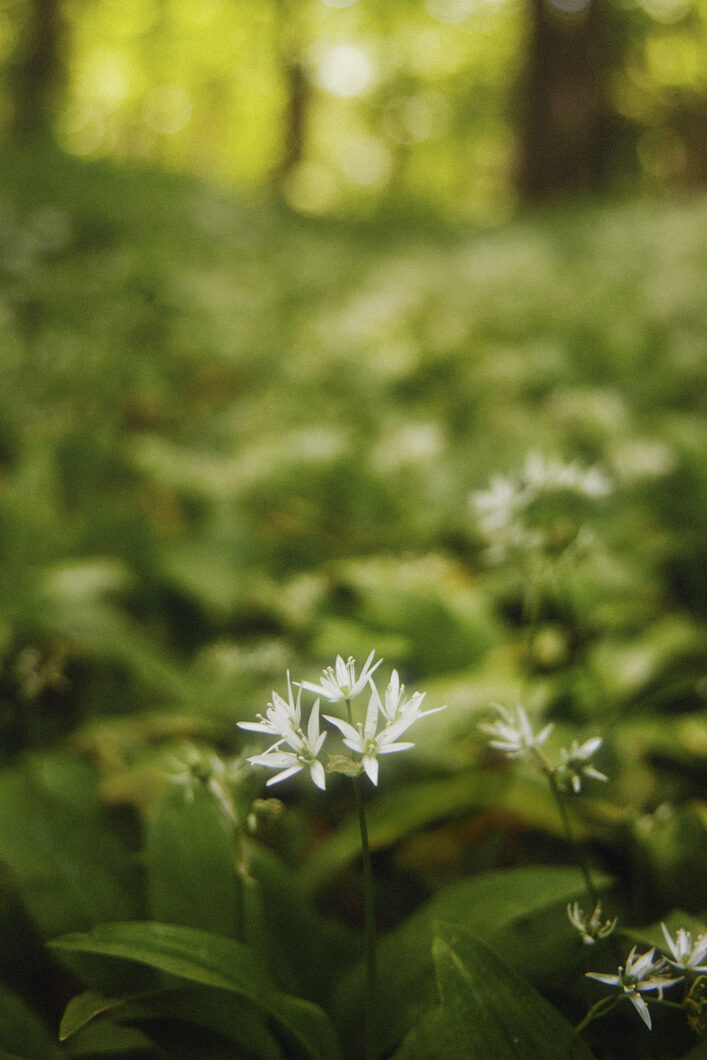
(344, 69)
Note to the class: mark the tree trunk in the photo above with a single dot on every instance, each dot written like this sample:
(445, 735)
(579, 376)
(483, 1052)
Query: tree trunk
(37, 70)
(296, 114)
(564, 110)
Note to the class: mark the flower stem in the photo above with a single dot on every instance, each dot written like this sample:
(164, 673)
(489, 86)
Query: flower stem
(369, 921)
(571, 839)
(370, 927)
(599, 1009)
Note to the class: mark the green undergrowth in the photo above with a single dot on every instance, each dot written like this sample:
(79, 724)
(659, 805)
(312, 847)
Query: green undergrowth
(233, 442)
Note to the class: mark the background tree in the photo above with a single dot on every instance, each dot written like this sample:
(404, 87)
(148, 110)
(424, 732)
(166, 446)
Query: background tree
(298, 87)
(565, 113)
(37, 67)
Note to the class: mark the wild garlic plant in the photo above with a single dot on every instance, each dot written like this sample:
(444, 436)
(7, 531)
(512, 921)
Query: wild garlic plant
(537, 521)
(364, 736)
(525, 522)
(513, 734)
(650, 974)
(516, 515)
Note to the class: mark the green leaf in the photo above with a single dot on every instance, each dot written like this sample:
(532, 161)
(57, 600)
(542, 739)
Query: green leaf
(21, 1031)
(216, 1010)
(202, 957)
(85, 1007)
(105, 1037)
(284, 928)
(70, 871)
(191, 876)
(235, 1018)
(487, 1009)
(485, 905)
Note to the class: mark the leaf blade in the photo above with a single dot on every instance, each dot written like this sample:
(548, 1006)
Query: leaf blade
(211, 960)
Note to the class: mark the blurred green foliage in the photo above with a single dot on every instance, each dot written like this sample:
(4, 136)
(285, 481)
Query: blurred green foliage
(235, 442)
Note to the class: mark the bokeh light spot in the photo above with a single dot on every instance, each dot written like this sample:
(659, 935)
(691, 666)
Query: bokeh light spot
(344, 69)
(450, 11)
(167, 109)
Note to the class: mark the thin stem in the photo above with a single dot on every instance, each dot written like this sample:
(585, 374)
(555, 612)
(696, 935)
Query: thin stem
(370, 926)
(665, 1003)
(370, 918)
(571, 839)
(599, 1009)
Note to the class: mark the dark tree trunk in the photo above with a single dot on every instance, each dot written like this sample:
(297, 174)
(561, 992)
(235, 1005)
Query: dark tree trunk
(564, 111)
(296, 114)
(37, 70)
(291, 37)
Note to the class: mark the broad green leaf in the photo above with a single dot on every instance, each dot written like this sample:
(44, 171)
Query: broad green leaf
(85, 1007)
(218, 1010)
(70, 871)
(191, 875)
(487, 1010)
(281, 924)
(486, 905)
(22, 1031)
(202, 957)
(105, 1037)
(235, 1018)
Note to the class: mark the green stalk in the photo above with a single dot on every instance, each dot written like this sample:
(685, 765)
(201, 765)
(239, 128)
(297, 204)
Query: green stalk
(370, 918)
(571, 839)
(370, 926)
(599, 1009)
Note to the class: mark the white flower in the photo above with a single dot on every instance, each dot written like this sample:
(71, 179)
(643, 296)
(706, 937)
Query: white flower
(364, 740)
(686, 954)
(340, 681)
(575, 764)
(639, 976)
(591, 929)
(394, 707)
(504, 510)
(514, 735)
(497, 506)
(283, 720)
(282, 717)
(293, 751)
(304, 752)
(545, 474)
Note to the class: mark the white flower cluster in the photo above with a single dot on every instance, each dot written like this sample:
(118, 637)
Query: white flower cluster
(513, 734)
(590, 928)
(643, 974)
(503, 510)
(640, 975)
(575, 764)
(385, 721)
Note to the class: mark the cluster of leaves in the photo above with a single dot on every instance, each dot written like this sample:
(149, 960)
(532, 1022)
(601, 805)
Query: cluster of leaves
(232, 443)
